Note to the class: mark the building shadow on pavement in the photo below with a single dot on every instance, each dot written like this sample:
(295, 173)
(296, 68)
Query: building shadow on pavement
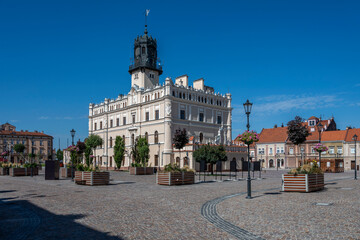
(21, 219)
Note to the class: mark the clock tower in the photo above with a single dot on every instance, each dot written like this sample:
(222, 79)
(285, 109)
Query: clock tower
(145, 70)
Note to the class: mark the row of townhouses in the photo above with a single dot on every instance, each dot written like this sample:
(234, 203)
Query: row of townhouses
(37, 143)
(275, 150)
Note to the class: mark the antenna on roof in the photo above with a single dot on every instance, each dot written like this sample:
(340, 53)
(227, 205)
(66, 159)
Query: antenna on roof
(147, 11)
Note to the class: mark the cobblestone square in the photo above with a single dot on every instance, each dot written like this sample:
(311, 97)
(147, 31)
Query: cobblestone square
(134, 207)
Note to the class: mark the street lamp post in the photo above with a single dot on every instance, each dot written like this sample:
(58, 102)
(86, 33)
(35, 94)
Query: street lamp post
(247, 108)
(355, 137)
(319, 130)
(277, 161)
(72, 132)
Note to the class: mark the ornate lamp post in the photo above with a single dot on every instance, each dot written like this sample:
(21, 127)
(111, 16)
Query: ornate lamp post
(319, 130)
(247, 108)
(72, 132)
(355, 137)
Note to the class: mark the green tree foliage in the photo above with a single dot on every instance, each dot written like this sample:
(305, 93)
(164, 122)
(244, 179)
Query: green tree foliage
(80, 151)
(119, 151)
(59, 154)
(297, 132)
(210, 154)
(93, 141)
(19, 148)
(140, 152)
(180, 138)
(87, 153)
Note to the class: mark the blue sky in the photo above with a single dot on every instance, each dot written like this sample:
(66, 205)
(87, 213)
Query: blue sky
(287, 57)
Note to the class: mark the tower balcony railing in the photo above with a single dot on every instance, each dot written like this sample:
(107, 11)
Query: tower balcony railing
(148, 65)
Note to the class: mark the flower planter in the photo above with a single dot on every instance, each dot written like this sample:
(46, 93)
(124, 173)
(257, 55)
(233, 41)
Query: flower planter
(92, 178)
(302, 182)
(66, 172)
(4, 171)
(141, 170)
(175, 178)
(15, 172)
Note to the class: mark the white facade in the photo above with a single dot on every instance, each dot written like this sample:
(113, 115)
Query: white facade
(156, 110)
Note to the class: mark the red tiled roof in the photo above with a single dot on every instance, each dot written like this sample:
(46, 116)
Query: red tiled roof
(312, 117)
(19, 133)
(350, 134)
(334, 135)
(270, 135)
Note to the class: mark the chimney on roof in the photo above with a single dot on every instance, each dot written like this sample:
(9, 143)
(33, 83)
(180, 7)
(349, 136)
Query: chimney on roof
(42, 131)
(275, 126)
(36, 131)
(21, 130)
(282, 124)
(26, 130)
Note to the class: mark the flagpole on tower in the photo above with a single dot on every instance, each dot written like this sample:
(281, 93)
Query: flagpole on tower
(146, 14)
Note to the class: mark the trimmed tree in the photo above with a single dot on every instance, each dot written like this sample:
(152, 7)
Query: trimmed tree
(297, 132)
(140, 152)
(119, 151)
(80, 151)
(180, 139)
(93, 141)
(210, 154)
(59, 155)
(20, 148)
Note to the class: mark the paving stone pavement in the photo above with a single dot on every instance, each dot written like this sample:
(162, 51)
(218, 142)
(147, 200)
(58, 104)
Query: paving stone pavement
(134, 207)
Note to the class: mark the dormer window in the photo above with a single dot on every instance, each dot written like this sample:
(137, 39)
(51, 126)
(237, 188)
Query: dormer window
(136, 76)
(151, 75)
(311, 122)
(143, 50)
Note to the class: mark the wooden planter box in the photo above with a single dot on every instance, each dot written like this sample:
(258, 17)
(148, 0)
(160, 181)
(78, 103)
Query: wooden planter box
(141, 170)
(66, 172)
(92, 178)
(302, 182)
(15, 172)
(4, 171)
(175, 178)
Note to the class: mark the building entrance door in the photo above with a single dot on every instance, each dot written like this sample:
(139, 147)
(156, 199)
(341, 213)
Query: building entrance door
(353, 165)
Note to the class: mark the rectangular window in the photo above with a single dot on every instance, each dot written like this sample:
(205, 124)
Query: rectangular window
(339, 150)
(282, 149)
(111, 123)
(41, 143)
(95, 127)
(277, 149)
(117, 122)
(313, 150)
(352, 150)
(302, 150)
(218, 119)
(182, 114)
(124, 120)
(270, 151)
(157, 115)
(33, 142)
(291, 151)
(133, 118)
(201, 117)
(147, 116)
(100, 125)
(110, 161)
(332, 150)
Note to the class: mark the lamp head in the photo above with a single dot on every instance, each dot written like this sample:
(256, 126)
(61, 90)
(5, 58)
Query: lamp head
(355, 137)
(72, 132)
(247, 107)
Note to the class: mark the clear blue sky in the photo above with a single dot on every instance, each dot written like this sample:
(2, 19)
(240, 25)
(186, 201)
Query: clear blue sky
(288, 57)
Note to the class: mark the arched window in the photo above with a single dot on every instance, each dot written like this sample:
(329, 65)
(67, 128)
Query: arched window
(198, 99)
(201, 137)
(271, 163)
(143, 50)
(178, 161)
(180, 95)
(147, 137)
(282, 162)
(186, 161)
(156, 137)
(189, 96)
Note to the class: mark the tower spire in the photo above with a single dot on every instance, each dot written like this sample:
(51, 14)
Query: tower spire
(147, 11)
